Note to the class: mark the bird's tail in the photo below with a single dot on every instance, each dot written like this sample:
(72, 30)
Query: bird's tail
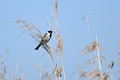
(37, 47)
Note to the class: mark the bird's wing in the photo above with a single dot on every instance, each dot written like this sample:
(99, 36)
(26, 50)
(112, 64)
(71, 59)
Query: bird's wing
(45, 35)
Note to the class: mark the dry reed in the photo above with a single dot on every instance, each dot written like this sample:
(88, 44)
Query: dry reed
(90, 48)
(35, 33)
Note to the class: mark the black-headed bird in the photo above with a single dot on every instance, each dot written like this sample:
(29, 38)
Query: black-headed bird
(47, 36)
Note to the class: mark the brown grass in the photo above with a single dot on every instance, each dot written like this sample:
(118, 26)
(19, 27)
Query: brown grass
(105, 76)
(90, 48)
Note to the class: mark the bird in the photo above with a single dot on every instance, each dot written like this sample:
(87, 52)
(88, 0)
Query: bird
(47, 36)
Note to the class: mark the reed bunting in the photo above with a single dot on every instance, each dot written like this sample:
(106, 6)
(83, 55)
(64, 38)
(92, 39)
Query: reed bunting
(47, 36)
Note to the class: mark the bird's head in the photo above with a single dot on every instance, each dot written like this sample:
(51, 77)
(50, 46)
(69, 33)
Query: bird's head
(50, 31)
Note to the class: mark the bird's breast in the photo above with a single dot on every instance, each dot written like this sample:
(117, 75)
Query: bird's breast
(47, 38)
